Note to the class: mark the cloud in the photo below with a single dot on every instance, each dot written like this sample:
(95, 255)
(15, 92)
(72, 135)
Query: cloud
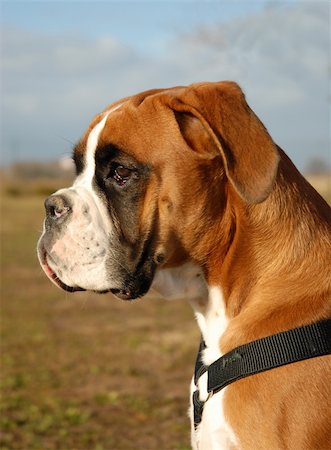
(53, 85)
(290, 44)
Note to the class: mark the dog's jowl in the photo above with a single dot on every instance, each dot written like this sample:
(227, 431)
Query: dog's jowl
(183, 191)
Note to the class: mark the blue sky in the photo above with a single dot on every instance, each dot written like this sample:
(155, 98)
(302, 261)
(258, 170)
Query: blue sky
(65, 61)
(133, 22)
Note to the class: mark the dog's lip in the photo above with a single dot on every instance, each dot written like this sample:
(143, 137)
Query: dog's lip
(52, 275)
(44, 257)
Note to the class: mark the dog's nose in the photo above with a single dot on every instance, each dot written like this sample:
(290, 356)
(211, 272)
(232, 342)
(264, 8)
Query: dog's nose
(57, 206)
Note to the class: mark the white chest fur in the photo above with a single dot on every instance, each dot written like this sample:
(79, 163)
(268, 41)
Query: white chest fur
(213, 433)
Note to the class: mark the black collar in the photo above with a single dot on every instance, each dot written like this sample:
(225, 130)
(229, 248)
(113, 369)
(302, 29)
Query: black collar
(297, 344)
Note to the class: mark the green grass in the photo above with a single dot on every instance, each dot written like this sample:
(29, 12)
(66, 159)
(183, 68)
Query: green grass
(82, 371)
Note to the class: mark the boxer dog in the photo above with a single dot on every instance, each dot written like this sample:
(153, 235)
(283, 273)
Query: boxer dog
(184, 187)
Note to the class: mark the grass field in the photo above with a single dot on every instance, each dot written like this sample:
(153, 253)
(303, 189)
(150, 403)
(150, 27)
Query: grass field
(82, 371)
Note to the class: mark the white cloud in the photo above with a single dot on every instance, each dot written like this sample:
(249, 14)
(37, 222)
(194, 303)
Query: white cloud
(283, 47)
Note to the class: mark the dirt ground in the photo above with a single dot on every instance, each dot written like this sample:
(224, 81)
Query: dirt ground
(84, 371)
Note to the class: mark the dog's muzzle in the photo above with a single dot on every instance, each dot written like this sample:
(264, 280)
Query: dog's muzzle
(80, 249)
(74, 250)
(58, 209)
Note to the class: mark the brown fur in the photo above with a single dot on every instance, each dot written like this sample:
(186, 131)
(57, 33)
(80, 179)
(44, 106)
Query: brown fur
(227, 198)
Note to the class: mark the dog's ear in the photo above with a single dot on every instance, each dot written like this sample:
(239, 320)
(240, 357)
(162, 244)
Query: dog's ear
(214, 118)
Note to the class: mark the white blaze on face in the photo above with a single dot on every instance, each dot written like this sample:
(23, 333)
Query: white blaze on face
(83, 254)
(83, 184)
(85, 179)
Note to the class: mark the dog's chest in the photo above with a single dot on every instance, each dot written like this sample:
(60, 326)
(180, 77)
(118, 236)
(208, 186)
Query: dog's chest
(213, 433)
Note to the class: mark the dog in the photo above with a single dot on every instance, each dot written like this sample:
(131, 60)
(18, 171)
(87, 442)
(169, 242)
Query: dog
(183, 192)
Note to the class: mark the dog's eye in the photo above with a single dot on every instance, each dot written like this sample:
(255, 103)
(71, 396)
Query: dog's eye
(121, 174)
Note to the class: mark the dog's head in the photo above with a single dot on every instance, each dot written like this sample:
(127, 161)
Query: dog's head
(154, 172)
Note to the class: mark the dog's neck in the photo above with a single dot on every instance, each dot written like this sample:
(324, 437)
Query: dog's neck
(265, 274)
(256, 277)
